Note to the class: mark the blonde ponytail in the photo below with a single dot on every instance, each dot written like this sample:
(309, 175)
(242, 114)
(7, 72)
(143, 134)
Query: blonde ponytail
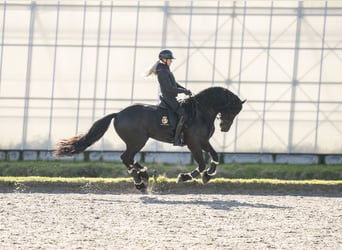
(152, 70)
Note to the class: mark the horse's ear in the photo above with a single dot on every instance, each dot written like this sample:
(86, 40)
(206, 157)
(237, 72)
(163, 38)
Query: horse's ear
(244, 101)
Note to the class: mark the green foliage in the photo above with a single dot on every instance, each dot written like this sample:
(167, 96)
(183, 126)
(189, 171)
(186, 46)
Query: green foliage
(166, 185)
(115, 170)
(285, 172)
(62, 169)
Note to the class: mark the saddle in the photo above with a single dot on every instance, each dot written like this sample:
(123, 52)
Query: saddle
(168, 118)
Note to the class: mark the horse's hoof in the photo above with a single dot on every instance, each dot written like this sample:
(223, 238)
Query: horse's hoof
(212, 169)
(141, 187)
(144, 176)
(205, 177)
(184, 177)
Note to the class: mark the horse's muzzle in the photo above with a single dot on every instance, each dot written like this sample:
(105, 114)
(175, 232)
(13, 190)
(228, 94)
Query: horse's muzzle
(225, 125)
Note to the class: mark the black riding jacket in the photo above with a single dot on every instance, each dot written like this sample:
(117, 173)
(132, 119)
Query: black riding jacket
(168, 86)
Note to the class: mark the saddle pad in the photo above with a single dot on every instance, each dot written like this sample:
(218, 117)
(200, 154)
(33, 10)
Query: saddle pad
(166, 117)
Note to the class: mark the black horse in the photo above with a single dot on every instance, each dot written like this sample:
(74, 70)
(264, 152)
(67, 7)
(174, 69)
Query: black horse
(137, 123)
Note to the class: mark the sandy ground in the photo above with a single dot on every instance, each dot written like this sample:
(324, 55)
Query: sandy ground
(169, 221)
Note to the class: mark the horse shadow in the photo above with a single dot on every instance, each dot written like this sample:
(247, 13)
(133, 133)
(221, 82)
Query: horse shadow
(214, 204)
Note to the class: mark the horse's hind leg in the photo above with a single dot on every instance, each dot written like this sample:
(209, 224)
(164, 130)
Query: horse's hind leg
(142, 171)
(138, 172)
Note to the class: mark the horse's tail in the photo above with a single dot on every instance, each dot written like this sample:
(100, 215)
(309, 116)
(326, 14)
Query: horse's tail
(79, 143)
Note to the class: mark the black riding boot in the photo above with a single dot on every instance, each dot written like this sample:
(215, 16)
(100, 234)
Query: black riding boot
(179, 135)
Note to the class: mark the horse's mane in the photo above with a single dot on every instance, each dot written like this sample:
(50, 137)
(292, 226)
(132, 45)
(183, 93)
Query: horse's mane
(218, 97)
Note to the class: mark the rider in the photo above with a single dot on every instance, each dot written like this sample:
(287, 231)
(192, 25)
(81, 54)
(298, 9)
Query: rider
(170, 89)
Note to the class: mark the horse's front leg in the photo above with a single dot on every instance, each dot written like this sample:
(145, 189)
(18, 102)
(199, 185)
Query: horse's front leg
(211, 171)
(198, 157)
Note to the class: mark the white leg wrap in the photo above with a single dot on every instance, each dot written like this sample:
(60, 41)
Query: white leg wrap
(144, 169)
(131, 169)
(215, 162)
(139, 183)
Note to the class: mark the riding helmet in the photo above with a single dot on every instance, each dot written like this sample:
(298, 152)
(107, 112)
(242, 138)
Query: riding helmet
(166, 54)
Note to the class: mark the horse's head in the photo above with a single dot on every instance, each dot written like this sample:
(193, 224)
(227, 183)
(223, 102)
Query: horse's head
(219, 100)
(228, 115)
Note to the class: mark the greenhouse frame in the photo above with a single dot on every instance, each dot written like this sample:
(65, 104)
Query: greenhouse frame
(65, 64)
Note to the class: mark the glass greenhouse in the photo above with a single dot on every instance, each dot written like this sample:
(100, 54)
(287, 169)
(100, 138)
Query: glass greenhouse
(64, 64)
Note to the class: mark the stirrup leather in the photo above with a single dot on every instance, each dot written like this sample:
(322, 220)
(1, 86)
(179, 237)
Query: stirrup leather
(179, 128)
